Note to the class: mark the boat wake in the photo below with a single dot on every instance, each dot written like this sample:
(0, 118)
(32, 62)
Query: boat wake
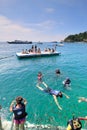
(6, 57)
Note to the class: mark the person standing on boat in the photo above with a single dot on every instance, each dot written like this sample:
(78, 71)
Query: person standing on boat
(35, 48)
(18, 108)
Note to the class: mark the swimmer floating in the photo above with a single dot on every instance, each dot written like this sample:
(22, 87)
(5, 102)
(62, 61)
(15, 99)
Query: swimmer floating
(54, 93)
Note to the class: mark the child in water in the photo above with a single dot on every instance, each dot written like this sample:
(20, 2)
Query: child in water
(40, 76)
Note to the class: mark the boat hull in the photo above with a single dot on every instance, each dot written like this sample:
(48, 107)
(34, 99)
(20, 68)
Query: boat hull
(20, 55)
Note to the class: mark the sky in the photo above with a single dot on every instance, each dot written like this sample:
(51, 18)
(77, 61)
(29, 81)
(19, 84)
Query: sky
(41, 20)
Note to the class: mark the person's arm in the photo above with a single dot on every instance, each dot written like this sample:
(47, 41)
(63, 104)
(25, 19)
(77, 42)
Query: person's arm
(82, 118)
(24, 101)
(12, 104)
(40, 88)
(55, 99)
(65, 95)
(82, 99)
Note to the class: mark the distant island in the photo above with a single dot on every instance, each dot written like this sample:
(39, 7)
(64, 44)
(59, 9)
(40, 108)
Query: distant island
(81, 37)
(19, 42)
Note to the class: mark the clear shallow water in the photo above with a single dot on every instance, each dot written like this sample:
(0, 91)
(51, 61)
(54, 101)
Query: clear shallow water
(19, 77)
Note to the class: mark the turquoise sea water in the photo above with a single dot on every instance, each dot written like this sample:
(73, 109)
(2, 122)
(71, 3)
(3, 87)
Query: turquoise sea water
(19, 77)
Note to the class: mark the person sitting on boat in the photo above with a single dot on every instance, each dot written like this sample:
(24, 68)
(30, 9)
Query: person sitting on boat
(74, 124)
(53, 50)
(26, 51)
(18, 108)
(67, 82)
(54, 93)
(39, 51)
(49, 49)
(57, 71)
(23, 52)
(29, 51)
(45, 50)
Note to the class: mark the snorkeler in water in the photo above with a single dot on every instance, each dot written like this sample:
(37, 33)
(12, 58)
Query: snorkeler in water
(54, 93)
(67, 82)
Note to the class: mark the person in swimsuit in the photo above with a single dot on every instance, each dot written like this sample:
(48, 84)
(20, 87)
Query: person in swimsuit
(54, 93)
(67, 82)
(57, 71)
(18, 108)
(39, 77)
(82, 99)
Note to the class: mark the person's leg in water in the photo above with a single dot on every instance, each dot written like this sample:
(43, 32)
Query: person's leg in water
(22, 126)
(1, 124)
(16, 126)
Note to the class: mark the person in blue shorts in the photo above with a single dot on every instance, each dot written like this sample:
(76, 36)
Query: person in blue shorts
(54, 93)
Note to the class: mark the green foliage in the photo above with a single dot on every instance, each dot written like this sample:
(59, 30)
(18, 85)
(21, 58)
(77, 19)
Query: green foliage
(77, 37)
